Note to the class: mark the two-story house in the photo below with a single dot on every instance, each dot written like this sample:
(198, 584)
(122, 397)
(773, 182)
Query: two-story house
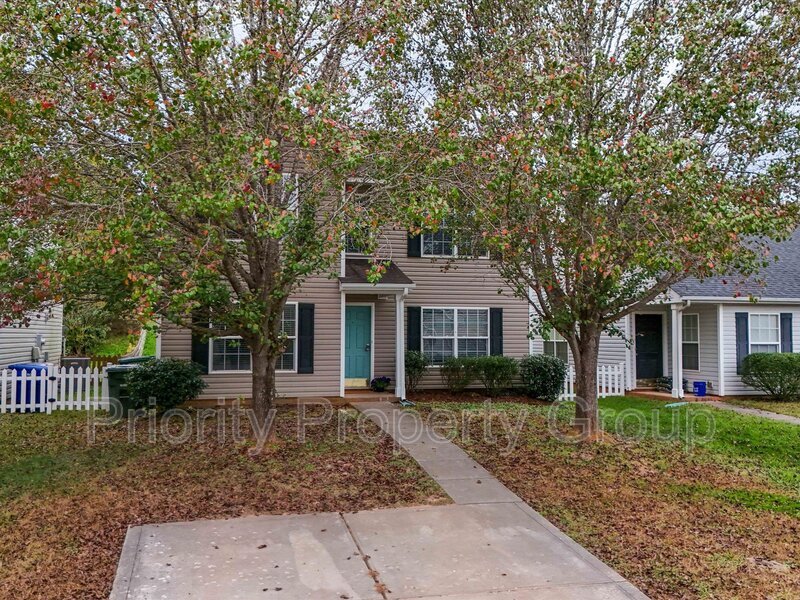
(342, 332)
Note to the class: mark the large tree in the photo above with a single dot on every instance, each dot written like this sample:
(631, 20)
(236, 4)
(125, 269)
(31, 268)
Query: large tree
(150, 150)
(606, 149)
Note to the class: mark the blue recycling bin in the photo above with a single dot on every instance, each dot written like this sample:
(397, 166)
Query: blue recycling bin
(699, 388)
(32, 387)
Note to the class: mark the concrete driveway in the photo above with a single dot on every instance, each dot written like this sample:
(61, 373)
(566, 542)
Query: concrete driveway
(489, 544)
(497, 551)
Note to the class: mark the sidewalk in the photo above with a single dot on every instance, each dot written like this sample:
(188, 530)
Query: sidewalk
(753, 412)
(489, 545)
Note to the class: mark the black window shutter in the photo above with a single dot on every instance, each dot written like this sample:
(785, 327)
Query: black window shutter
(414, 325)
(496, 331)
(742, 339)
(200, 343)
(305, 338)
(414, 245)
(786, 332)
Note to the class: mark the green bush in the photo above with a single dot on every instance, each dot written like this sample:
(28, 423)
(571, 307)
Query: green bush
(416, 365)
(776, 374)
(496, 373)
(458, 373)
(169, 381)
(543, 376)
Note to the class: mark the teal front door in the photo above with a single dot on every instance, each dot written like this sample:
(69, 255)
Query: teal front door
(357, 344)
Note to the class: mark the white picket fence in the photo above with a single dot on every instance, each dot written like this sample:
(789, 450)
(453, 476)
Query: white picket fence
(57, 388)
(610, 381)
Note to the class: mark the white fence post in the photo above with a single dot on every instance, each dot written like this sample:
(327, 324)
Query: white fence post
(3, 388)
(610, 381)
(69, 389)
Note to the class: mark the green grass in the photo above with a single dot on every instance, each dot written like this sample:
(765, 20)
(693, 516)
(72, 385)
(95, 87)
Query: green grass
(149, 343)
(784, 408)
(116, 345)
(738, 440)
(752, 499)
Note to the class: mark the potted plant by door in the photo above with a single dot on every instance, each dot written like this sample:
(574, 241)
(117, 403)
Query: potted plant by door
(380, 384)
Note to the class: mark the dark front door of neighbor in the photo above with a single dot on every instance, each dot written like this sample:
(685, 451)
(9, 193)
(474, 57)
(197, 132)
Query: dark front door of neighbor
(649, 347)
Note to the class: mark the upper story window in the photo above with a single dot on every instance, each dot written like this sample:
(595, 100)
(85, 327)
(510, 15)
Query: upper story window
(290, 191)
(359, 194)
(231, 354)
(441, 244)
(557, 346)
(449, 332)
(691, 342)
(765, 333)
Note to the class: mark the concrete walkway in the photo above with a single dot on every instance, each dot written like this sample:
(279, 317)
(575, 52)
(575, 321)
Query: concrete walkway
(753, 412)
(488, 545)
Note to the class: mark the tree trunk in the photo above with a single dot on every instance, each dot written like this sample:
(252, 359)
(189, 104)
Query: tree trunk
(587, 416)
(264, 391)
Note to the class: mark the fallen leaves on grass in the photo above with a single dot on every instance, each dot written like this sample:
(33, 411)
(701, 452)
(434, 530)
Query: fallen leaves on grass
(61, 537)
(624, 502)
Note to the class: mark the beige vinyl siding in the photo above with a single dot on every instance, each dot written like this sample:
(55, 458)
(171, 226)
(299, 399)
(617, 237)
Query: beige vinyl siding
(613, 349)
(708, 365)
(17, 341)
(439, 283)
(461, 283)
(733, 383)
(321, 291)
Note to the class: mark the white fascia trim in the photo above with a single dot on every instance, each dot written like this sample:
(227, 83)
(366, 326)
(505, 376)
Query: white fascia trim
(742, 300)
(375, 288)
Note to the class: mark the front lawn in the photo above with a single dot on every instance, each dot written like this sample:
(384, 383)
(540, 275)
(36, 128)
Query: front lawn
(714, 513)
(784, 408)
(65, 504)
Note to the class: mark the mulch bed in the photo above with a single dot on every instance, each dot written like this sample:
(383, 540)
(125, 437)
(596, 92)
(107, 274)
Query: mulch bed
(60, 537)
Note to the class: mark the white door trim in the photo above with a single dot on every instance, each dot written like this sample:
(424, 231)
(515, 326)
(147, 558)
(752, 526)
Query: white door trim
(371, 334)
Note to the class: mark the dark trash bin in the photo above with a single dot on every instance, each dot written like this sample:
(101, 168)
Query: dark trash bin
(34, 389)
(135, 360)
(699, 388)
(118, 389)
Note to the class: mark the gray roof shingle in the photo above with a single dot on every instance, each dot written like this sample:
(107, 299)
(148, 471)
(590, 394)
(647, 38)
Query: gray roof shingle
(779, 279)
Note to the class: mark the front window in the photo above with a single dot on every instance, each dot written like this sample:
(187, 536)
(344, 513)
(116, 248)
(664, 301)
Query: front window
(449, 332)
(230, 353)
(765, 333)
(557, 346)
(691, 342)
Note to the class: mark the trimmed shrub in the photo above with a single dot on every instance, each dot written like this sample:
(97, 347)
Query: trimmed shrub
(170, 381)
(458, 373)
(416, 365)
(496, 373)
(543, 376)
(777, 374)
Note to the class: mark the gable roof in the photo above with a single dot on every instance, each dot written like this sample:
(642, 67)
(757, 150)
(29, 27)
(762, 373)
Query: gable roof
(780, 279)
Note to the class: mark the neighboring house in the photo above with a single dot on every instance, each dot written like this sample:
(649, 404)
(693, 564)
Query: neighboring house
(702, 330)
(42, 339)
(344, 332)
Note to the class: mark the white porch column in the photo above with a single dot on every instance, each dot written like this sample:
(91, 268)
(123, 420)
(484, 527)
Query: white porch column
(677, 351)
(400, 346)
(341, 344)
